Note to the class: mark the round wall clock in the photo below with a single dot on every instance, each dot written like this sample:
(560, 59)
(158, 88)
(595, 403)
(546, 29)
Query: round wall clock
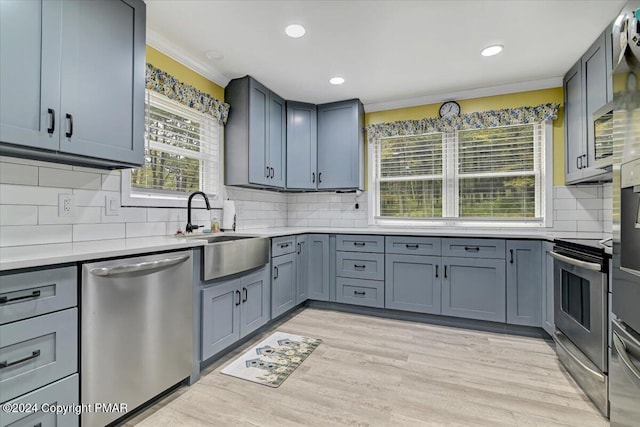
(449, 108)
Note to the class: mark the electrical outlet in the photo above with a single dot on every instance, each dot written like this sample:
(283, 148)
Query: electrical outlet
(111, 205)
(66, 205)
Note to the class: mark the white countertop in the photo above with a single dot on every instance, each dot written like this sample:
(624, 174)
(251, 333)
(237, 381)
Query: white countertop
(40, 255)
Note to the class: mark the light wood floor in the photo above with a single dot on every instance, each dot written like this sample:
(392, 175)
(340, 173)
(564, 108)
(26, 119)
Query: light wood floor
(380, 372)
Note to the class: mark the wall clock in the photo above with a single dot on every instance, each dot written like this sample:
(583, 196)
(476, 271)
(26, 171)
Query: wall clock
(449, 108)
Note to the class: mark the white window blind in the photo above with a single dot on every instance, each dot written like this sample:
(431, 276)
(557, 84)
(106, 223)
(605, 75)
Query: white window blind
(484, 174)
(182, 151)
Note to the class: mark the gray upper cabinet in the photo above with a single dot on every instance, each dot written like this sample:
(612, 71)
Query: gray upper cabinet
(587, 87)
(318, 276)
(413, 283)
(255, 134)
(283, 284)
(474, 288)
(302, 146)
(524, 282)
(75, 82)
(341, 145)
(302, 269)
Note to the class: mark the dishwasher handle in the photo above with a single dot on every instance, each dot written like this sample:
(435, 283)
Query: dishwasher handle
(138, 267)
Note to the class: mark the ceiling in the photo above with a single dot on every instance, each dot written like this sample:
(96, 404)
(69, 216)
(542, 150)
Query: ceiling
(391, 53)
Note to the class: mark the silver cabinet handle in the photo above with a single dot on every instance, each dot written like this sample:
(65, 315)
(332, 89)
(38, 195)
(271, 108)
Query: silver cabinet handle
(631, 368)
(588, 265)
(141, 266)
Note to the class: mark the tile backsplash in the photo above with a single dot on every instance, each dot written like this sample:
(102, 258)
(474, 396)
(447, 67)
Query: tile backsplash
(29, 208)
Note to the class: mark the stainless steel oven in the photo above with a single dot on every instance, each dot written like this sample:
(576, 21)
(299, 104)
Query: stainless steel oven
(581, 315)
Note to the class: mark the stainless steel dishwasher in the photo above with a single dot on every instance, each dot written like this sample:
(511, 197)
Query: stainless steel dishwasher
(136, 330)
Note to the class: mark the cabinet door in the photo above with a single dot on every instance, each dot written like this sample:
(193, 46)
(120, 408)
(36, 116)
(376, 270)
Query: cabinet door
(277, 140)
(548, 323)
(30, 70)
(220, 317)
(574, 126)
(302, 146)
(413, 283)
(474, 288)
(102, 79)
(302, 269)
(256, 301)
(595, 75)
(259, 171)
(318, 277)
(339, 144)
(524, 282)
(283, 284)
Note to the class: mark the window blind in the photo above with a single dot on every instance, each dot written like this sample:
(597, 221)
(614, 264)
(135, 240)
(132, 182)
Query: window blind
(182, 150)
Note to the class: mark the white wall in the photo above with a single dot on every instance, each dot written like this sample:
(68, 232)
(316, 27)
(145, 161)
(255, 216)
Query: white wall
(29, 208)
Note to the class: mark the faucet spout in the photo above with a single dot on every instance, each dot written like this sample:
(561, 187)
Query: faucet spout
(190, 227)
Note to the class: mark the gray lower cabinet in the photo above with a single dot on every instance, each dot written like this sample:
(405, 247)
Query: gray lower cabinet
(64, 392)
(548, 322)
(302, 269)
(50, 65)
(413, 283)
(524, 282)
(360, 292)
(233, 309)
(318, 275)
(474, 288)
(283, 283)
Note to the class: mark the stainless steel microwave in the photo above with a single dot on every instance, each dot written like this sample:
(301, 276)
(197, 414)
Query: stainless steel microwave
(603, 136)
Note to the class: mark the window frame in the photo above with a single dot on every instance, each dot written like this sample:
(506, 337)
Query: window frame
(133, 198)
(450, 193)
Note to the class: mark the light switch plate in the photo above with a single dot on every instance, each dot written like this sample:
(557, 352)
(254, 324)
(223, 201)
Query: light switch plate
(66, 205)
(111, 205)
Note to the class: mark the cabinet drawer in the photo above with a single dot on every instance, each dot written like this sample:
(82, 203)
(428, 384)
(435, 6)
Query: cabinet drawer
(360, 266)
(283, 245)
(63, 392)
(360, 292)
(38, 351)
(473, 248)
(32, 293)
(407, 245)
(355, 243)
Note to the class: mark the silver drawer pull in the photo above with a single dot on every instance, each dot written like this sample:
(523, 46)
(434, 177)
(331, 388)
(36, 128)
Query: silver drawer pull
(359, 266)
(6, 363)
(141, 266)
(34, 294)
(360, 294)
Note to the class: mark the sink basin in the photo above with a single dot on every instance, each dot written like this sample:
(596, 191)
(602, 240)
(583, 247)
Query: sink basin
(227, 255)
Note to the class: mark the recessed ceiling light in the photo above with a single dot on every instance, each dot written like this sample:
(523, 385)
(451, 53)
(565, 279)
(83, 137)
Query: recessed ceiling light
(336, 80)
(492, 50)
(295, 30)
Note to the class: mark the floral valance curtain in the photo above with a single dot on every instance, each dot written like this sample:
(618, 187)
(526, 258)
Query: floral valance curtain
(165, 84)
(479, 120)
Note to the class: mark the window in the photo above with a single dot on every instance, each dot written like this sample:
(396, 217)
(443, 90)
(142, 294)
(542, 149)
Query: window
(478, 175)
(182, 155)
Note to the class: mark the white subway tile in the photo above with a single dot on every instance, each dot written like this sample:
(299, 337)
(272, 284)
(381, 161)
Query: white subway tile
(93, 198)
(341, 223)
(36, 163)
(563, 193)
(84, 232)
(111, 182)
(49, 177)
(583, 215)
(281, 222)
(360, 223)
(18, 215)
(84, 215)
(567, 204)
(12, 173)
(21, 235)
(164, 215)
(586, 192)
(173, 226)
(125, 214)
(298, 223)
(589, 204)
(30, 195)
(86, 169)
(319, 222)
(335, 206)
(594, 226)
(565, 225)
(146, 229)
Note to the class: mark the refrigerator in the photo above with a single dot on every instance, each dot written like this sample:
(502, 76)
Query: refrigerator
(624, 339)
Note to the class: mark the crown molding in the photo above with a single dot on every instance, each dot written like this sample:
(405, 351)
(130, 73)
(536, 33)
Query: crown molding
(170, 49)
(466, 94)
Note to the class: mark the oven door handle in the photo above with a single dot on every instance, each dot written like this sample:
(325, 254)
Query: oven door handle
(588, 265)
(558, 340)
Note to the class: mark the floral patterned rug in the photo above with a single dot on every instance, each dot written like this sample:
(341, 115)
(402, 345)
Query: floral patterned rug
(273, 360)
